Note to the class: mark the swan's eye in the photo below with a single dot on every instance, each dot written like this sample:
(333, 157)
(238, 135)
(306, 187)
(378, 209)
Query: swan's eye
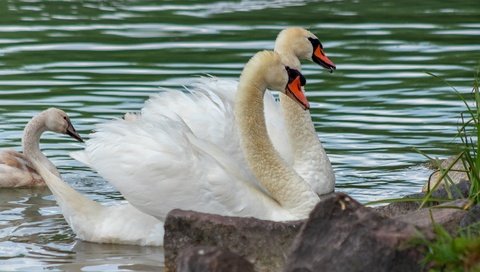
(315, 43)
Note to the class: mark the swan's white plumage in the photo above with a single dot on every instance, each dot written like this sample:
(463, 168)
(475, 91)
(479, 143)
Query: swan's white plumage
(211, 122)
(181, 148)
(204, 109)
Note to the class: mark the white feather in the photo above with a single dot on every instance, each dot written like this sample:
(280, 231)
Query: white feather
(172, 153)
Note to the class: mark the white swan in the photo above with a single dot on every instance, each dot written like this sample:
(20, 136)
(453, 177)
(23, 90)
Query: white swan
(302, 147)
(16, 169)
(309, 157)
(88, 219)
(162, 164)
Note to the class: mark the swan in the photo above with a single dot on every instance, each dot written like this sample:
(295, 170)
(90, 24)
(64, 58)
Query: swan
(309, 157)
(301, 148)
(89, 220)
(16, 169)
(163, 163)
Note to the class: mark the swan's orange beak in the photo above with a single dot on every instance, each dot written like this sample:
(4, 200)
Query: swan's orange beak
(294, 91)
(320, 58)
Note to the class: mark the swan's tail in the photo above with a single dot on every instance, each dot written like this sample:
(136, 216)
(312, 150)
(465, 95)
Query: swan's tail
(82, 157)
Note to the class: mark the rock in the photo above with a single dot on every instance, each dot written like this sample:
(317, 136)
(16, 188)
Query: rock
(343, 235)
(263, 243)
(211, 259)
(458, 190)
(448, 217)
(395, 209)
(399, 208)
(456, 173)
(340, 235)
(472, 217)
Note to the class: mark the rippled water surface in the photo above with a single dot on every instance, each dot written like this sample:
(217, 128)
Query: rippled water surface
(99, 59)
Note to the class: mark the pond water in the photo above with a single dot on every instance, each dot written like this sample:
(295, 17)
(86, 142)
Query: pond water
(99, 59)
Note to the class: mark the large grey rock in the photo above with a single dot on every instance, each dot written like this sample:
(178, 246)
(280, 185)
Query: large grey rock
(343, 235)
(211, 259)
(263, 243)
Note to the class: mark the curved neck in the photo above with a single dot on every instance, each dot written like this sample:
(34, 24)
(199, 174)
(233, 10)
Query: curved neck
(75, 207)
(288, 57)
(280, 180)
(314, 166)
(300, 129)
(31, 141)
(310, 159)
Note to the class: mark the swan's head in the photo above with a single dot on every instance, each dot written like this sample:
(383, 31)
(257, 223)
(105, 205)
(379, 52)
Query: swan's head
(271, 73)
(303, 44)
(57, 120)
(294, 87)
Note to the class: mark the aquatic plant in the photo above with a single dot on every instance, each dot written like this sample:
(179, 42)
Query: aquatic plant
(469, 154)
(462, 251)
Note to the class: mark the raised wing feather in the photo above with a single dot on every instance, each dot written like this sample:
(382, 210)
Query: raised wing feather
(183, 153)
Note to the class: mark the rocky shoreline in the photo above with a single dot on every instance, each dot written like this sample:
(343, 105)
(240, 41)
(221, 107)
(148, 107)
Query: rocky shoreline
(340, 235)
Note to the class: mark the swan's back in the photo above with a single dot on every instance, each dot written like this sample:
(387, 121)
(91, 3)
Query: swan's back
(17, 171)
(204, 112)
(209, 123)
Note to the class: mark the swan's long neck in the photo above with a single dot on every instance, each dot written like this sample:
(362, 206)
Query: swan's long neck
(76, 208)
(70, 201)
(281, 181)
(310, 159)
(31, 142)
(285, 50)
(300, 129)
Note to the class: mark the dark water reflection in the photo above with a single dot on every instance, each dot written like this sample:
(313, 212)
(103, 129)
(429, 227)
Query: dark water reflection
(98, 59)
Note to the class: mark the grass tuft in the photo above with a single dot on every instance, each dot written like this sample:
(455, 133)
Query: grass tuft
(461, 252)
(452, 253)
(469, 155)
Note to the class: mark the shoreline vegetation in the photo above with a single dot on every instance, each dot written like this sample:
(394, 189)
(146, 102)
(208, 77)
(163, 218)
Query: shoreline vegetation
(458, 251)
(454, 250)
